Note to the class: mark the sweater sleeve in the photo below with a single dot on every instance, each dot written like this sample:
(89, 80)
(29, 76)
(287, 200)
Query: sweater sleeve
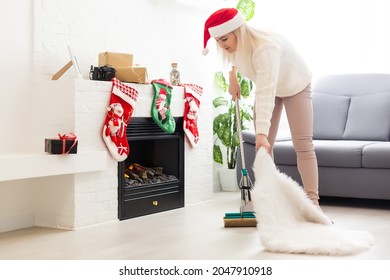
(266, 63)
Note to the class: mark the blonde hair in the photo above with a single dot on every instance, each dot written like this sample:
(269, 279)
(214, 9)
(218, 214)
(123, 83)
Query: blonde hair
(247, 38)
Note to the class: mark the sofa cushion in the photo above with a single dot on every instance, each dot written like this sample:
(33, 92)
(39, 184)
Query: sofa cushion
(329, 115)
(377, 155)
(284, 153)
(329, 153)
(369, 117)
(340, 153)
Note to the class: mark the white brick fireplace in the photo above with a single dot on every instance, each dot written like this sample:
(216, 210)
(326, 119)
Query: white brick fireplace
(79, 190)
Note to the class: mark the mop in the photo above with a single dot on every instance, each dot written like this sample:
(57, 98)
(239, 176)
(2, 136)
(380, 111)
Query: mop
(246, 216)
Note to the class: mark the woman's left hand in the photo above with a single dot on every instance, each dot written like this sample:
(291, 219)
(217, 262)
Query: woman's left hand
(262, 141)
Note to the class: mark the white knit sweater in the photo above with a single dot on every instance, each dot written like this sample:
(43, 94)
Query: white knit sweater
(277, 70)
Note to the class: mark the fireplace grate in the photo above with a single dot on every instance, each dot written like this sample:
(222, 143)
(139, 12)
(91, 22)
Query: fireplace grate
(146, 127)
(151, 149)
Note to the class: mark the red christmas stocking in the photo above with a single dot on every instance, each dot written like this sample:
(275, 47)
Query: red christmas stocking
(193, 96)
(119, 111)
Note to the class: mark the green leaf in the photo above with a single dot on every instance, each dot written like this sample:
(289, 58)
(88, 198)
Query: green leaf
(245, 87)
(219, 125)
(218, 121)
(236, 140)
(239, 76)
(225, 134)
(217, 154)
(220, 81)
(245, 116)
(220, 101)
(247, 7)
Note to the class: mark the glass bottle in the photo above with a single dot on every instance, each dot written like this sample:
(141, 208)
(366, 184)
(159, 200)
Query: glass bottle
(175, 75)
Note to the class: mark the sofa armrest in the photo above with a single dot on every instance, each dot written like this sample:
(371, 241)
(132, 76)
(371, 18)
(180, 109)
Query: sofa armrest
(249, 136)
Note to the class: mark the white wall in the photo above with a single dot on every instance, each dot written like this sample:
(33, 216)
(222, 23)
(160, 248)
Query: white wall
(15, 71)
(16, 23)
(35, 35)
(155, 32)
(334, 36)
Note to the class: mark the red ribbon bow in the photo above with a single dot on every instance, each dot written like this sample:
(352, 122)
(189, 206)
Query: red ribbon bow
(68, 136)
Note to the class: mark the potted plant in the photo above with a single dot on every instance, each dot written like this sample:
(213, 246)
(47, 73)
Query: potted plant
(225, 126)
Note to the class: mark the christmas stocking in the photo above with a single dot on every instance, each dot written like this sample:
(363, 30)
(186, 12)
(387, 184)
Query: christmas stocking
(119, 111)
(161, 113)
(193, 96)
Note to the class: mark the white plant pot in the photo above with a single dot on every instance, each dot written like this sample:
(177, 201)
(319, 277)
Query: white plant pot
(228, 179)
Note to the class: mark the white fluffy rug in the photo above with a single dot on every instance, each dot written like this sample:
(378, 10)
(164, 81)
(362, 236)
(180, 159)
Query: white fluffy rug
(288, 222)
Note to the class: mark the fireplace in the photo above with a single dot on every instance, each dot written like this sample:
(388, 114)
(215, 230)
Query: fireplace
(151, 179)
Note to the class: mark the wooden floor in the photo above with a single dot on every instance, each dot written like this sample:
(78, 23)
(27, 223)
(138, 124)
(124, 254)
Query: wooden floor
(195, 232)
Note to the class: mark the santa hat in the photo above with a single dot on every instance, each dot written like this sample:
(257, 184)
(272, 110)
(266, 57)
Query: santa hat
(221, 23)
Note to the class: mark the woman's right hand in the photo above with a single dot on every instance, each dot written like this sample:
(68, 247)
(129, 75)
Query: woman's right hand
(234, 89)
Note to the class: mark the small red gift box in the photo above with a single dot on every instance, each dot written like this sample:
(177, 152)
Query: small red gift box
(66, 144)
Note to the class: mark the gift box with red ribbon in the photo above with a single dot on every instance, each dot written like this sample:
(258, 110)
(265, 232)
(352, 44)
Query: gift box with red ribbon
(65, 144)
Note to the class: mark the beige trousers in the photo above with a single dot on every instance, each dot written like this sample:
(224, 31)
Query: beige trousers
(299, 112)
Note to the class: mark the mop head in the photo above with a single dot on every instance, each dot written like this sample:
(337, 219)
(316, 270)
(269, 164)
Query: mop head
(290, 223)
(244, 219)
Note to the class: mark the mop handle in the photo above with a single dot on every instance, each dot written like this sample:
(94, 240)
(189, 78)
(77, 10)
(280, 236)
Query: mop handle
(238, 119)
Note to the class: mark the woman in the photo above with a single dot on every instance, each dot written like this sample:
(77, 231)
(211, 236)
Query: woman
(281, 78)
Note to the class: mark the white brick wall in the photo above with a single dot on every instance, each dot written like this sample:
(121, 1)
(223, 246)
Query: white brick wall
(150, 29)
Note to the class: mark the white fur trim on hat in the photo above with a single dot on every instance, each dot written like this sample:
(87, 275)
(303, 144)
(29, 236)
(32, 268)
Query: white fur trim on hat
(226, 27)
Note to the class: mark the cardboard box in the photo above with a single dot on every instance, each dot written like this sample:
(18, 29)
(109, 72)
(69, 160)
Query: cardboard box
(135, 74)
(61, 146)
(115, 59)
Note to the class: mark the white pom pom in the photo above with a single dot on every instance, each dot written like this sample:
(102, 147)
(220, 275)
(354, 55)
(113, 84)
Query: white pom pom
(205, 51)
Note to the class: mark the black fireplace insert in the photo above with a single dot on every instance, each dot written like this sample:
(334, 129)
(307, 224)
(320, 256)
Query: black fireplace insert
(151, 179)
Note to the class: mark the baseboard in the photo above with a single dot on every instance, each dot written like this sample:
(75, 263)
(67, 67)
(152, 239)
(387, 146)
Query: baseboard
(16, 222)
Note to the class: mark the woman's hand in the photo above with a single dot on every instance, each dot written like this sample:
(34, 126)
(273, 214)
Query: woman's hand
(262, 141)
(234, 87)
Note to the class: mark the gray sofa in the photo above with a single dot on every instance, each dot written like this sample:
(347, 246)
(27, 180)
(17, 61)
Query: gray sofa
(351, 137)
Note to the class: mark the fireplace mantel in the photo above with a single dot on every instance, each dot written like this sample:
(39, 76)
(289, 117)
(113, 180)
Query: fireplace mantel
(25, 166)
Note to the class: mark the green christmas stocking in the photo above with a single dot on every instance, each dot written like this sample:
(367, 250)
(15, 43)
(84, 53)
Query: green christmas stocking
(161, 113)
